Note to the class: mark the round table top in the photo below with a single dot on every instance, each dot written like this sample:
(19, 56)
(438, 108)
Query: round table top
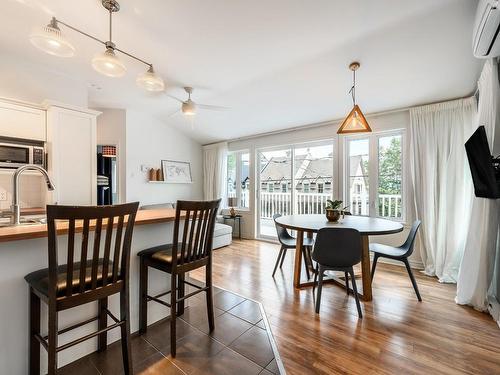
(365, 225)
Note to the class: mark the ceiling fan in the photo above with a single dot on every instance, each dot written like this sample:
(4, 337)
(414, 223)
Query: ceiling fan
(189, 107)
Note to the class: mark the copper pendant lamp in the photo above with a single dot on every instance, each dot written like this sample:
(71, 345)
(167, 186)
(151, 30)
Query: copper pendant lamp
(355, 122)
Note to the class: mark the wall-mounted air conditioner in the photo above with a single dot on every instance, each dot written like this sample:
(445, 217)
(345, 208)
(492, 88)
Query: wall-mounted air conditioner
(486, 39)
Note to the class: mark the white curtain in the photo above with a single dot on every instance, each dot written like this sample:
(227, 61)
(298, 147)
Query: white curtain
(215, 171)
(477, 265)
(441, 184)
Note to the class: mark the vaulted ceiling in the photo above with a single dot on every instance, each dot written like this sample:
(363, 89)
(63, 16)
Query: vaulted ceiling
(275, 63)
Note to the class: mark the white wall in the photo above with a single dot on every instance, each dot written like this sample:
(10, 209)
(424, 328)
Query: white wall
(23, 81)
(328, 131)
(148, 141)
(111, 130)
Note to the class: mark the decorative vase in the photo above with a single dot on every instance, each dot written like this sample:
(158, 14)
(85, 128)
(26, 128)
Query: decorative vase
(232, 212)
(333, 215)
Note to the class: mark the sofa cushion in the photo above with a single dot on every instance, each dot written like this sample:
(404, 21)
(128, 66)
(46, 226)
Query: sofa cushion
(222, 229)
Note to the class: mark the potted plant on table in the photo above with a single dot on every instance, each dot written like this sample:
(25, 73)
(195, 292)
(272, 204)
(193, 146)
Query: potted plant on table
(334, 210)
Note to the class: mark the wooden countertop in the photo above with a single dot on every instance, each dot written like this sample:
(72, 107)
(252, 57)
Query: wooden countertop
(27, 232)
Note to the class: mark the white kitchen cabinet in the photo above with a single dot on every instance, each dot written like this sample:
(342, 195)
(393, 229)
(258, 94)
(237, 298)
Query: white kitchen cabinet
(22, 121)
(72, 154)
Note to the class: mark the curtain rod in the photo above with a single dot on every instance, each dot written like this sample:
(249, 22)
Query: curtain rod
(331, 122)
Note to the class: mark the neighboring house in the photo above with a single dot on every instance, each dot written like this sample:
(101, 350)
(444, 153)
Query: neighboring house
(311, 175)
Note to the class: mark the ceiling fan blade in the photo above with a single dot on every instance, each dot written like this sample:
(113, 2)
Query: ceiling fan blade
(212, 107)
(175, 98)
(174, 113)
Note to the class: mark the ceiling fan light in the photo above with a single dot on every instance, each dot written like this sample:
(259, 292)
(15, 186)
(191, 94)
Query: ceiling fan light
(150, 81)
(51, 40)
(189, 108)
(108, 63)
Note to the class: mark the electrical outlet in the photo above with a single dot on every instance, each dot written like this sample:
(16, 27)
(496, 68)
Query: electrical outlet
(3, 195)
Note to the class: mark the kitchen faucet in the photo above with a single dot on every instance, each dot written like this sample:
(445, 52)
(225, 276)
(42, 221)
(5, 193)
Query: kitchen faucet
(16, 210)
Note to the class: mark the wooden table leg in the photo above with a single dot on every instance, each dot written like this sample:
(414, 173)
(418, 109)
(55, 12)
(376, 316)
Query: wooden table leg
(298, 259)
(365, 269)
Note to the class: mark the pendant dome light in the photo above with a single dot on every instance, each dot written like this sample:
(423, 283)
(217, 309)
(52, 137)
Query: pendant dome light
(355, 122)
(108, 63)
(50, 40)
(150, 81)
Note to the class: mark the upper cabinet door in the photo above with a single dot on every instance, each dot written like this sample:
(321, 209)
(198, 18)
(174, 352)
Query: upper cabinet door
(22, 122)
(72, 150)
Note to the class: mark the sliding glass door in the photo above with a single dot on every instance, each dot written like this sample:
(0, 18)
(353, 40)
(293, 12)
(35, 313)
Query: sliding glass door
(296, 179)
(275, 190)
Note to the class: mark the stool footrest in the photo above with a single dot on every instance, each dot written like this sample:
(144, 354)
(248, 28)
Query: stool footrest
(44, 340)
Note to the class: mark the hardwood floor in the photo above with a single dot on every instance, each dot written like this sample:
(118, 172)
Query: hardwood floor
(397, 335)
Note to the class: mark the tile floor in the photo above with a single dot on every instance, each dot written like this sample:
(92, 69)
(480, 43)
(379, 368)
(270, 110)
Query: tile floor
(240, 344)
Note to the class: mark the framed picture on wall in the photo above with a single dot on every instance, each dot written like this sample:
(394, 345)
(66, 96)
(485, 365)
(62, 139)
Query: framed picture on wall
(176, 172)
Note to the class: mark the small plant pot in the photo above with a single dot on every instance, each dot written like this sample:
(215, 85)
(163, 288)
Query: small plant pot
(332, 215)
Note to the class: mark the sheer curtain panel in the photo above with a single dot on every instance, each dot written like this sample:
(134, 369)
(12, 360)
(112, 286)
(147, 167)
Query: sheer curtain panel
(476, 270)
(441, 182)
(215, 171)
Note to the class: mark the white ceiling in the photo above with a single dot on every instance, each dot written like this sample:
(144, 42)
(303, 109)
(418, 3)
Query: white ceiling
(276, 63)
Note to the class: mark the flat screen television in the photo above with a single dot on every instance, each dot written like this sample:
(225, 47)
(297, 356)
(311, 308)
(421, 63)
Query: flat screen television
(484, 168)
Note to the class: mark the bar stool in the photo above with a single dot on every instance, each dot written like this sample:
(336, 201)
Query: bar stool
(193, 249)
(83, 279)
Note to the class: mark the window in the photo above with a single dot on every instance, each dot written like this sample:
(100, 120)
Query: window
(283, 188)
(375, 160)
(390, 171)
(358, 177)
(238, 177)
(320, 189)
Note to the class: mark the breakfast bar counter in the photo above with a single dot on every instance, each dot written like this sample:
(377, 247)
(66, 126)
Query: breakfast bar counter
(23, 249)
(31, 231)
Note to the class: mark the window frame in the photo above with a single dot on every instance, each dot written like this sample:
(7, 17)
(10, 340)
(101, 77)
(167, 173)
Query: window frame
(373, 169)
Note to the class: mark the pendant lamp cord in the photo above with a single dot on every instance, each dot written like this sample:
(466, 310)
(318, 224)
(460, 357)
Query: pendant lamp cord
(352, 91)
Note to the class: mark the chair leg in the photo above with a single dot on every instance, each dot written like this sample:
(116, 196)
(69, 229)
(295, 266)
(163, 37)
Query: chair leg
(143, 297)
(210, 297)
(304, 253)
(346, 276)
(283, 257)
(412, 278)
(320, 287)
(125, 331)
(181, 292)
(355, 290)
(103, 323)
(315, 276)
(52, 338)
(278, 260)
(374, 265)
(34, 329)
(173, 308)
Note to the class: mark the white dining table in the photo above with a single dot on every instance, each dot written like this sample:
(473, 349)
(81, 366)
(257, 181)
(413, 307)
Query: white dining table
(367, 226)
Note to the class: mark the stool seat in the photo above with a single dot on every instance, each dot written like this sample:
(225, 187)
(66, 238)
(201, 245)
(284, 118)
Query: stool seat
(161, 253)
(39, 280)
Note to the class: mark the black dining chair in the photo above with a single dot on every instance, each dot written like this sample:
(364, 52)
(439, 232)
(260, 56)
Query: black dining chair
(289, 242)
(337, 249)
(400, 253)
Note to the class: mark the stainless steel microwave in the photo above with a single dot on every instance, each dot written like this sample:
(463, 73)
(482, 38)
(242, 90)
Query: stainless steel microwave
(15, 153)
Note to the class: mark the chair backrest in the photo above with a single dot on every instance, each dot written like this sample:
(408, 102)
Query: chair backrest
(195, 242)
(99, 266)
(281, 232)
(337, 247)
(410, 240)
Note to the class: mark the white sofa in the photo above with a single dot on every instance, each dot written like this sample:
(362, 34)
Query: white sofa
(223, 234)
